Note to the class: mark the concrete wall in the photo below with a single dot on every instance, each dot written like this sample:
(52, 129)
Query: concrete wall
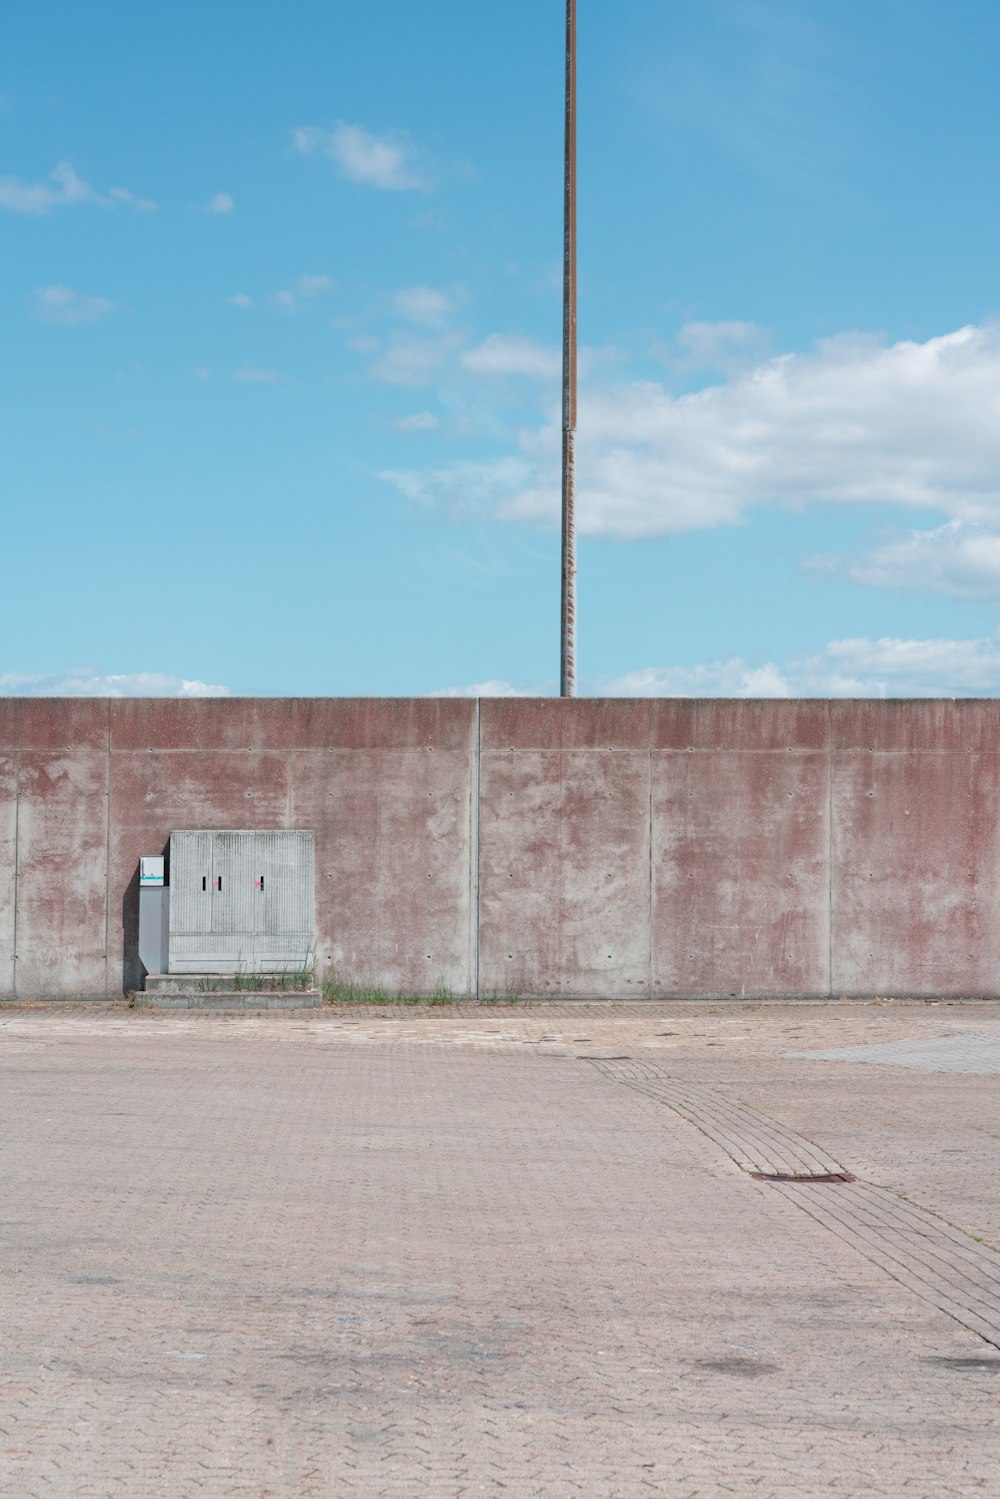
(599, 847)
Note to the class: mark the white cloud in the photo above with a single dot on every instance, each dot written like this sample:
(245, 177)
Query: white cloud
(412, 359)
(221, 203)
(424, 305)
(61, 304)
(61, 189)
(89, 682)
(304, 288)
(240, 299)
(855, 422)
(313, 286)
(494, 687)
(250, 376)
(418, 421)
(415, 361)
(721, 345)
(461, 486)
(843, 668)
(729, 677)
(905, 668)
(383, 161)
(509, 354)
(958, 558)
(857, 667)
(141, 205)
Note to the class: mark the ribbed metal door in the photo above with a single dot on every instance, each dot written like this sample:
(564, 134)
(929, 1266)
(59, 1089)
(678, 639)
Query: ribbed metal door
(190, 901)
(233, 857)
(241, 900)
(283, 885)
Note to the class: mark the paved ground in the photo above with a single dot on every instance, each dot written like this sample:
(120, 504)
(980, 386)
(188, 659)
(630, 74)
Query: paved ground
(464, 1252)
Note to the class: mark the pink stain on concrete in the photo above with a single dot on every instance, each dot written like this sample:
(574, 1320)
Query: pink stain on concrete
(603, 848)
(62, 871)
(916, 847)
(8, 866)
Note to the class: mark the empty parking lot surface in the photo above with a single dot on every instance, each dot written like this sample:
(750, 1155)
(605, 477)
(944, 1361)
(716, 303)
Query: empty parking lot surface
(493, 1251)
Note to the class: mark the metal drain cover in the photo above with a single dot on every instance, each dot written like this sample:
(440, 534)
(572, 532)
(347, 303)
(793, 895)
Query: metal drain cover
(825, 1177)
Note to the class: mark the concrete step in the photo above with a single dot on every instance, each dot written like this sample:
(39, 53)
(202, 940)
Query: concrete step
(231, 999)
(222, 983)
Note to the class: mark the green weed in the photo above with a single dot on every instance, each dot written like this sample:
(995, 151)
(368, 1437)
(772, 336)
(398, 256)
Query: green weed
(509, 996)
(286, 981)
(337, 991)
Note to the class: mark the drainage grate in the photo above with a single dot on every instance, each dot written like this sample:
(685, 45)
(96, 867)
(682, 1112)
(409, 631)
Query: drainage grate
(831, 1177)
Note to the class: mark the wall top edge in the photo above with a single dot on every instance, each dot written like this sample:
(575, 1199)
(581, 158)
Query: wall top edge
(105, 700)
(104, 703)
(458, 723)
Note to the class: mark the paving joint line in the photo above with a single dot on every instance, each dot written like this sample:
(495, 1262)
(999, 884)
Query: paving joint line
(726, 1118)
(933, 1258)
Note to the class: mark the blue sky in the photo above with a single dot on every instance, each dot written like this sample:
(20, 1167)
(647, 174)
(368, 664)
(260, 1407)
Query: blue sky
(280, 319)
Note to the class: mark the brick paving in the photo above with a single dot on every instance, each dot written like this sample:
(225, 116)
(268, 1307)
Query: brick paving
(948, 1268)
(970, 1052)
(751, 1139)
(398, 1252)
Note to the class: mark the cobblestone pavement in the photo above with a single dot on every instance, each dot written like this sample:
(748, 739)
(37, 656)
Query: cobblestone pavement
(441, 1252)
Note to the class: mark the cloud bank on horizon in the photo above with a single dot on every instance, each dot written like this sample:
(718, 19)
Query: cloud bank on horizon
(843, 668)
(91, 682)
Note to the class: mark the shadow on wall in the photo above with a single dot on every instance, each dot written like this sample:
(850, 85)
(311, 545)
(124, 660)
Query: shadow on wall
(133, 973)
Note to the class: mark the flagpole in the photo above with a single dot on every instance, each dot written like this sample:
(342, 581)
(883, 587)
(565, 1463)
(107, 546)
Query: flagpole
(567, 665)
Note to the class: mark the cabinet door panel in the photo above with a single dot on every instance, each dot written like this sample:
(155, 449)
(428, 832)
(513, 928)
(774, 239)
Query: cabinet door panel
(284, 899)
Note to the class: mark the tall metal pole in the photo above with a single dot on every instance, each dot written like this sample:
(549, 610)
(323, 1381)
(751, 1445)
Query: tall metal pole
(567, 667)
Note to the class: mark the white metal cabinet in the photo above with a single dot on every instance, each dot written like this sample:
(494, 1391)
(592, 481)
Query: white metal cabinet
(241, 900)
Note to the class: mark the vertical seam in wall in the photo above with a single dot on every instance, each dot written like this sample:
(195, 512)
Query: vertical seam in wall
(17, 859)
(829, 848)
(649, 915)
(474, 872)
(107, 866)
(288, 785)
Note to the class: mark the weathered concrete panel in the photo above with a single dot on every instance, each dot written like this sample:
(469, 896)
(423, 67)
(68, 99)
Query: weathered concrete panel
(8, 869)
(53, 723)
(62, 873)
(393, 863)
(564, 873)
(383, 723)
(547, 723)
(210, 724)
(294, 723)
(752, 724)
(942, 726)
(155, 791)
(740, 901)
(916, 859)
